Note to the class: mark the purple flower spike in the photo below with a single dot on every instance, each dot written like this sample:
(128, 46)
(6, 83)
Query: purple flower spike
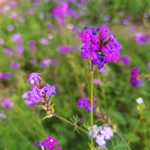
(34, 77)
(7, 103)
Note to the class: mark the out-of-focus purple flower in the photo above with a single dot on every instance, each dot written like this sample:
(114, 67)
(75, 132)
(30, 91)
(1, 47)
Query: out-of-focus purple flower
(48, 25)
(13, 15)
(65, 48)
(1, 41)
(3, 116)
(31, 11)
(14, 65)
(97, 82)
(7, 103)
(49, 143)
(32, 46)
(70, 26)
(37, 2)
(7, 75)
(141, 38)
(34, 77)
(85, 103)
(25, 95)
(44, 41)
(1, 75)
(12, 4)
(126, 20)
(50, 90)
(146, 15)
(55, 62)
(41, 16)
(132, 28)
(103, 70)
(16, 37)
(33, 61)
(7, 51)
(10, 28)
(148, 66)
(106, 17)
(125, 60)
(4, 9)
(135, 82)
(22, 19)
(19, 50)
(50, 36)
(46, 62)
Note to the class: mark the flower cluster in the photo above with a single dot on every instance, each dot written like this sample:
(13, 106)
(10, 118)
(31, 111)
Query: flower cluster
(101, 134)
(7, 103)
(39, 90)
(48, 143)
(85, 103)
(135, 82)
(100, 46)
(141, 38)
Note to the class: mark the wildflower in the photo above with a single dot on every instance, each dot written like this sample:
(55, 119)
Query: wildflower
(3, 116)
(85, 103)
(10, 28)
(125, 60)
(34, 77)
(1, 75)
(141, 38)
(14, 65)
(100, 46)
(49, 90)
(7, 51)
(97, 82)
(65, 48)
(7, 103)
(101, 134)
(46, 62)
(7, 75)
(1, 41)
(44, 41)
(135, 82)
(106, 17)
(140, 100)
(16, 37)
(32, 46)
(49, 143)
(148, 66)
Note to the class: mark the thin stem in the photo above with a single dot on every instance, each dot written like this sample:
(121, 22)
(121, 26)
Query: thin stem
(91, 106)
(123, 140)
(69, 122)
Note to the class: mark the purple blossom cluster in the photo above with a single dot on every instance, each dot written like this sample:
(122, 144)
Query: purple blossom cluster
(101, 134)
(32, 46)
(7, 103)
(49, 143)
(38, 91)
(100, 46)
(64, 49)
(85, 103)
(135, 82)
(125, 60)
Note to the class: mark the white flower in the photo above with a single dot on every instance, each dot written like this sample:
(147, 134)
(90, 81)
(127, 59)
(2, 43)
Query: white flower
(140, 100)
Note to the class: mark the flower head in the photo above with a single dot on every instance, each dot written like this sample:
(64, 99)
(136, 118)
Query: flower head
(34, 77)
(141, 38)
(7, 103)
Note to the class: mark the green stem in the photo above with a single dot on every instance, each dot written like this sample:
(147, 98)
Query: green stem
(69, 122)
(91, 106)
(123, 140)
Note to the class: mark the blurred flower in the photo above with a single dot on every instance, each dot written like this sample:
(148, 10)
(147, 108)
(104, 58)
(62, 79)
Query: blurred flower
(132, 28)
(70, 26)
(140, 100)
(3, 116)
(34, 77)
(1, 41)
(1, 75)
(4, 9)
(7, 75)
(106, 17)
(148, 66)
(14, 65)
(103, 70)
(16, 37)
(46, 62)
(41, 16)
(32, 46)
(146, 15)
(44, 41)
(141, 38)
(31, 11)
(55, 62)
(48, 25)
(13, 15)
(48, 143)
(135, 82)
(97, 82)
(19, 50)
(37, 2)
(85, 103)
(10, 28)
(7, 51)
(33, 61)
(7, 103)
(126, 20)
(12, 4)
(22, 19)
(125, 60)
(65, 48)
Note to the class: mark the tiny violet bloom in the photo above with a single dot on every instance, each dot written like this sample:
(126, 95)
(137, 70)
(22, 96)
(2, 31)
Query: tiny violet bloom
(3, 116)
(34, 77)
(55, 62)
(46, 62)
(14, 65)
(65, 48)
(141, 38)
(1, 75)
(1, 41)
(49, 143)
(16, 37)
(125, 60)
(7, 51)
(7, 75)
(7, 103)
(148, 66)
(140, 100)
(44, 41)
(97, 82)
(10, 28)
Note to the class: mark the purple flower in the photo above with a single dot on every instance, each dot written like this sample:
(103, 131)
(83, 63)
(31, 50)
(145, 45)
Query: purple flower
(1, 41)
(49, 25)
(7, 51)
(46, 62)
(14, 65)
(10, 28)
(141, 38)
(106, 17)
(37, 2)
(65, 48)
(1, 75)
(135, 82)
(7, 75)
(49, 90)
(125, 60)
(33, 61)
(55, 62)
(19, 50)
(97, 82)
(32, 46)
(7, 103)
(148, 66)
(44, 41)
(31, 11)
(13, 15)
(34, 77)
(16, 37)
(50, 143)
(12, 4)
(100, 46)
(85, 103)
